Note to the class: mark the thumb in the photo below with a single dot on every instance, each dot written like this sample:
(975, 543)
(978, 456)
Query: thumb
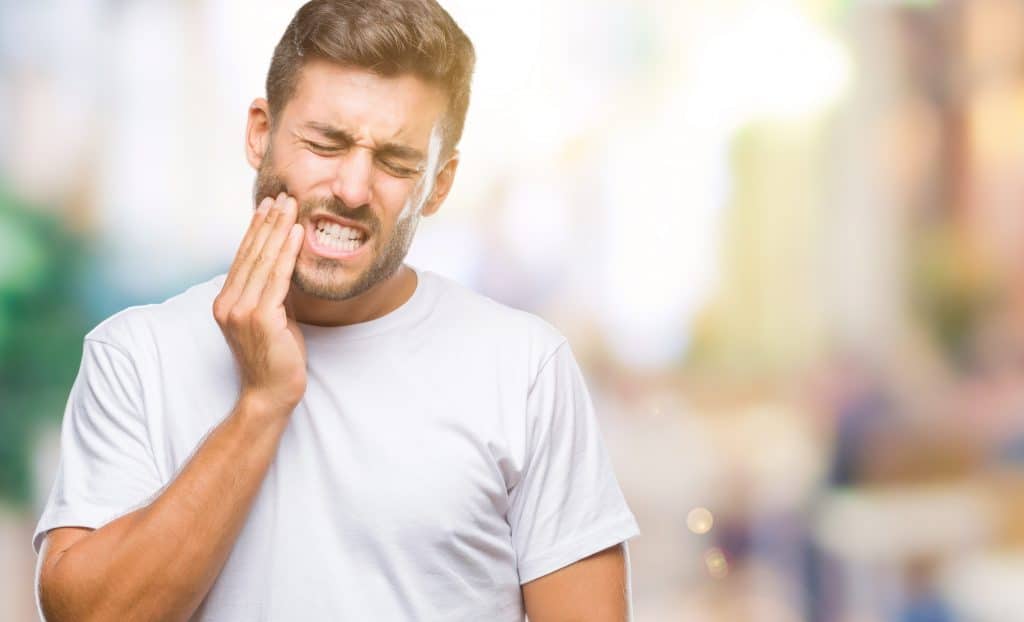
(293, 324)
(289, 307)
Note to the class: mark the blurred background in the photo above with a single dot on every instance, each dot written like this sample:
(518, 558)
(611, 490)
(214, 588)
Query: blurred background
(785, 239)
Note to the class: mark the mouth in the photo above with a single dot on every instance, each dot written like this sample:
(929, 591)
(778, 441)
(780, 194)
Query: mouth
(335, 238)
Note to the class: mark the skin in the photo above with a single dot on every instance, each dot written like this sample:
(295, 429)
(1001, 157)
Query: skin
(594, 589)
(158, 562)
(348, 178)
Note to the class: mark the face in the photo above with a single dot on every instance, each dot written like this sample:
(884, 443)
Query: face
(361, 154)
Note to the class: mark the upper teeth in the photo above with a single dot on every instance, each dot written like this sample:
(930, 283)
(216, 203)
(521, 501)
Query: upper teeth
(333, 228)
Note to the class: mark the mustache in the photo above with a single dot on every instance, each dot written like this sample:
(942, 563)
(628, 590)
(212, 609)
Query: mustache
(334, 206)
(272, 185)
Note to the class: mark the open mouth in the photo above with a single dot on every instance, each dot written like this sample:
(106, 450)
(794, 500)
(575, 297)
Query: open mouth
(333, 239)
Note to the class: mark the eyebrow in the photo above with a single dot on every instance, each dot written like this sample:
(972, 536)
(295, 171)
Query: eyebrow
(338, 135)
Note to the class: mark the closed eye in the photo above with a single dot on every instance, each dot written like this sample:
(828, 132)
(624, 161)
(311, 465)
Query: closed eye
(323, 149)
(390, 167)
(396, 170)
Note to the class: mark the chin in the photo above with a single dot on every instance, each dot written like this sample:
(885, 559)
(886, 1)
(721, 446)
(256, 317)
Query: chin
(327, 282)
(331, 280)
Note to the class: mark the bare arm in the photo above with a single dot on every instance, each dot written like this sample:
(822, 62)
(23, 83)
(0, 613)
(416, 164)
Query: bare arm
(158, 562)
(594, 589)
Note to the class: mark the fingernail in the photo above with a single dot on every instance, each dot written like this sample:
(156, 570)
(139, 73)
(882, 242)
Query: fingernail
(265, 205)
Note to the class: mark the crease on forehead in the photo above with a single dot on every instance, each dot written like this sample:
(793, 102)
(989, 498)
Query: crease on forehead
(391, 106)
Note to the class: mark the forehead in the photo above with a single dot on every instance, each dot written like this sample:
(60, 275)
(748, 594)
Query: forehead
(364, 103)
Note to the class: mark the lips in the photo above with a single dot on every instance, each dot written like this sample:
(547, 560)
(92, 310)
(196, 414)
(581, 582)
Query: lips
(336, 238)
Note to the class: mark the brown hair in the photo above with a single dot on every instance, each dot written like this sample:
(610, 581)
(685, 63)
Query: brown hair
(387, 37)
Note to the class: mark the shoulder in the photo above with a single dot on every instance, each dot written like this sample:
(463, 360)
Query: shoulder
(488, 321)
(137, 327)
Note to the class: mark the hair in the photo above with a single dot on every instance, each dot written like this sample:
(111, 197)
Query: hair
(387, 37)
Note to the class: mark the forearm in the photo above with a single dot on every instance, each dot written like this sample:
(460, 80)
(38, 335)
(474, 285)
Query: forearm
(158, 562)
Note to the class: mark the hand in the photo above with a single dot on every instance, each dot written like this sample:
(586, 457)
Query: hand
(250, 308)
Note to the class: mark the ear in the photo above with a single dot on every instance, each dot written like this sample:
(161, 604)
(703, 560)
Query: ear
(257, 132)
(442, 185)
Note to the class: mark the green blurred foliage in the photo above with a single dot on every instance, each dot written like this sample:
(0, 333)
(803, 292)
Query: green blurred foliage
(42, 322)
(952, 292)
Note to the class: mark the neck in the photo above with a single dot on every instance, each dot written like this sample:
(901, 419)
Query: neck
(378, 301)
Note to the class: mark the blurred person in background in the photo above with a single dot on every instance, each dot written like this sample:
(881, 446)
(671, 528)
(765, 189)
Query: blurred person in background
(344, 436)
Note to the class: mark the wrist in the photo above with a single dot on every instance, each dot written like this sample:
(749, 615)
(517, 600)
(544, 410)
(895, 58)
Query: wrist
(255, 406)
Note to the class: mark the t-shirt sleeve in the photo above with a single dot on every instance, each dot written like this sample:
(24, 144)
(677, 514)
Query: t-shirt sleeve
(567, 503)
(106, 466)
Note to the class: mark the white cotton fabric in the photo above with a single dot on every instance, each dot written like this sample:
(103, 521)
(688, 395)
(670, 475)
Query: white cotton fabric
(443, 455)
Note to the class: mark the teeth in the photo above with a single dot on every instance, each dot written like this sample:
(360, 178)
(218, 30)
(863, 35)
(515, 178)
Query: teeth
(338, 231)
(336, 242)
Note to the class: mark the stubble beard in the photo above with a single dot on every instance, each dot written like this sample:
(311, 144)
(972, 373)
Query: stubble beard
(326, 278)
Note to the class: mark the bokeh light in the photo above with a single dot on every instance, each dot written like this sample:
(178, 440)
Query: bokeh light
(700, 521)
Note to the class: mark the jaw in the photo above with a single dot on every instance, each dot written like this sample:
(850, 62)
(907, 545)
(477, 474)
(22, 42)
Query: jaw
(336, 274)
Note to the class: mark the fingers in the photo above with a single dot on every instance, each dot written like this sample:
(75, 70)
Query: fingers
(259, 240)
(255, 238)
(259, 217)
(280, 279)
(267, 247)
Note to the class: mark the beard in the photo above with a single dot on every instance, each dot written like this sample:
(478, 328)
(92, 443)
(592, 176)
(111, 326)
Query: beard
(323, 277)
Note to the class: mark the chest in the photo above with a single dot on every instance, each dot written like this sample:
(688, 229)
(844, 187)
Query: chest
(388, 434)
(399, 491)
(405, 459)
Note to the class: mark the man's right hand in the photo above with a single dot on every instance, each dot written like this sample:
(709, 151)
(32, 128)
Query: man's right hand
(250, 309)
(159, 561)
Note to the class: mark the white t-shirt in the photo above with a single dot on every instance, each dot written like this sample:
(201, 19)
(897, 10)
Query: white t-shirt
(442, 455)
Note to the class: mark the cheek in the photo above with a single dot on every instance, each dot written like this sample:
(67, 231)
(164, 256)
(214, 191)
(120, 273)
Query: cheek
(305, 171)
(391, 194)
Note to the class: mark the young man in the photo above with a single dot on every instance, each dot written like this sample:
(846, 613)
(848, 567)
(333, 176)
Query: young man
(343, 437)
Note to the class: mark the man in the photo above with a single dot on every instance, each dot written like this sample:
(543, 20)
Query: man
(344, 437)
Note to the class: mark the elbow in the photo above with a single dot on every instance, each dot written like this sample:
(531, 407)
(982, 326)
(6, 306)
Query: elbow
(51, 596)
(60, 599)
(67, 592)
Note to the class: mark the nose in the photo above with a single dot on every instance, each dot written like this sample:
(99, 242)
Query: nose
(352, 181)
